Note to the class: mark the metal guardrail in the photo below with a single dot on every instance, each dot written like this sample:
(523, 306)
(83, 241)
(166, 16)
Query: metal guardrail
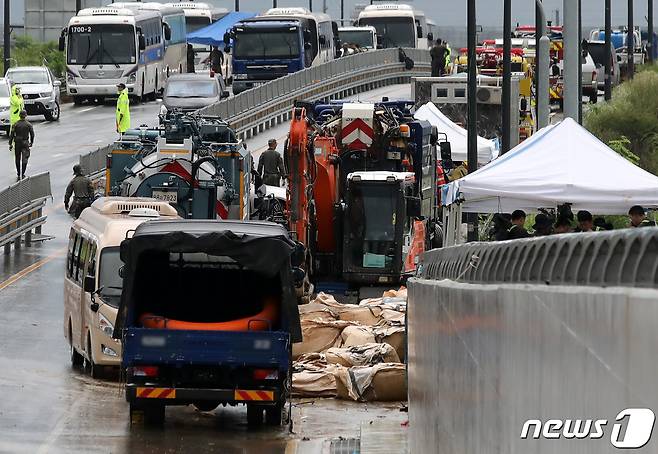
(263, 107)
(624, 258)
(94, 162)
(21, 209)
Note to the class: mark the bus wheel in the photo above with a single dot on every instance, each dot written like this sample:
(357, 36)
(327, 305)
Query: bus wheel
(254, 415)
(88, 364)
(76, 358)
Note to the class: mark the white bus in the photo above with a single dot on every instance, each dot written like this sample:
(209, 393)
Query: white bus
(197, 16)
(92, 281)
(395, 23)
(105, 46)
(175, 57)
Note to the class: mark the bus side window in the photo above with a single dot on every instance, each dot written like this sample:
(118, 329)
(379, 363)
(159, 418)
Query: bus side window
(69, 254)
(85, 248)
(91, 269)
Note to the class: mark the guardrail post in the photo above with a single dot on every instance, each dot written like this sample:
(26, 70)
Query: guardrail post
(28, 238)
(17, 243)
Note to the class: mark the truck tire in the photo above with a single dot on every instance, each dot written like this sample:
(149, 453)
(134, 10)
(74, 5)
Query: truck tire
(147, 414)
(274, 415)
(254, 415)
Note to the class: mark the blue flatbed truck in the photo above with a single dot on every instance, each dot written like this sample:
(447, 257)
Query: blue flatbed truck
(186, 286)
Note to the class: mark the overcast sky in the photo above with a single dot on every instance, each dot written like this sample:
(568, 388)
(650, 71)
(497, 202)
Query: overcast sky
(453, 12)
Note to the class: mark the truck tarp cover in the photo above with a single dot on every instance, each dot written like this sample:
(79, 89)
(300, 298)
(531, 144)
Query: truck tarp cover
(266, 254)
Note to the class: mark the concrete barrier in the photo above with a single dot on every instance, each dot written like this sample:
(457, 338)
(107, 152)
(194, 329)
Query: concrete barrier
(484, 359)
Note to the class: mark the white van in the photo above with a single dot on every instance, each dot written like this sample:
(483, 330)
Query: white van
(92, 283)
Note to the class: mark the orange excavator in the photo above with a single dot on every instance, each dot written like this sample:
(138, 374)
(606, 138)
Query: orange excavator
(361, 192)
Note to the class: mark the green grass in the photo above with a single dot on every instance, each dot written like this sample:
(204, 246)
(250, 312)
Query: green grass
(27, 52)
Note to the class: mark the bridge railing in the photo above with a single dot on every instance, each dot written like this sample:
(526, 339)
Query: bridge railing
(626, 257)
(560, 327)
(21, 209)
(258, 109)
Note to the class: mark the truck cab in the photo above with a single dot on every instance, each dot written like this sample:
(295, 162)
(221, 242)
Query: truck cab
(220, 331)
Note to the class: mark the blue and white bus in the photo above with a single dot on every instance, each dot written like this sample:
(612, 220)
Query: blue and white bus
(280, 42)
(173, 17)
(105, 46)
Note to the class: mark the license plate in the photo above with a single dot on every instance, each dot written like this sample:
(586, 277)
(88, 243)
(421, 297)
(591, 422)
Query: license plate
(166, 196)
(28, 101)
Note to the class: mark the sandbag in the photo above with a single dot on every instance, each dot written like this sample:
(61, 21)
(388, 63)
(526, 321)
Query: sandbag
(381, 382)
(364, 315)
(316, 311)
(395, 336)
(319, 383)
(319, 336)
(355, 335)
(362, 355)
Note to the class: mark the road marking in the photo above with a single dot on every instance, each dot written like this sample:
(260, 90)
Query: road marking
(86, 109)
(57, 155)
(35, 266)
(62, 422)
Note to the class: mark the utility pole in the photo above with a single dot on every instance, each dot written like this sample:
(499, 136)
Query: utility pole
(650, 43)
(78, 6)
(310, 5)
(7, 39)
(342, 11)
(539, 32)
(507, 75)
(237, 5)
(543, 64)
(472, 110)
(571, 59)
(630, 42)
(324, 6)
(608, 50)
(275, 4)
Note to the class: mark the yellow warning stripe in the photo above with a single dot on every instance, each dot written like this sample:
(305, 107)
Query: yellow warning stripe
(245, 395)
(156, 393)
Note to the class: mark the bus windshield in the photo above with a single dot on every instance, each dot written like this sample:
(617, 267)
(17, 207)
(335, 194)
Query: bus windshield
(193, 24)
(108, 276)
(267, 44)
(362, 38)
(101, 44)
(394, 31)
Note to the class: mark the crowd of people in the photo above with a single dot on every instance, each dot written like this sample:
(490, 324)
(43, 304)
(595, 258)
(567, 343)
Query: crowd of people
(512, 226)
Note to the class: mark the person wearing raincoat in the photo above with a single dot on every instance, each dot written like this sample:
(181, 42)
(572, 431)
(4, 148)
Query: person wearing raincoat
(123, 110)
(16, 105)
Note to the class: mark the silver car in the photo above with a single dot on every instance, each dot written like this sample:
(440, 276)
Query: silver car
(590, 78)
(39, 88)
(5, 94)
(597, 51)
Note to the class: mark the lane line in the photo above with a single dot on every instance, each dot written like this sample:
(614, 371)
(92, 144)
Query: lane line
(35, 266)
(87, 109)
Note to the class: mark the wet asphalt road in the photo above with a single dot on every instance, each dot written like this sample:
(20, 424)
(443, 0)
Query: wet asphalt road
(48, 407)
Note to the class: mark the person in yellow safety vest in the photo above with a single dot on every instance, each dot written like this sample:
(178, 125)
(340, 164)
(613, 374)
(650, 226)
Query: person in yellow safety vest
(16, 105)
(448, 57)
(123, 109)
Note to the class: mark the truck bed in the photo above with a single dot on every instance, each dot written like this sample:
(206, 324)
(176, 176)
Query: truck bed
(225, 348)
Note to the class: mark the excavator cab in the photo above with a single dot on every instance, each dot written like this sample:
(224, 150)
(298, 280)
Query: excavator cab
(376, 226)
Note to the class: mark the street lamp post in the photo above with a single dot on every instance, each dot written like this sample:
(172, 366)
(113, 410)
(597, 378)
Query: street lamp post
(237, 5)
(507, 75)
(650, 43)
(571, 59)
(7, 38)
(608, 50)
(630, 42)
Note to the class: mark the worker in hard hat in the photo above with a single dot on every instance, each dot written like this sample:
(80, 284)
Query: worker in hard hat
(123, 109)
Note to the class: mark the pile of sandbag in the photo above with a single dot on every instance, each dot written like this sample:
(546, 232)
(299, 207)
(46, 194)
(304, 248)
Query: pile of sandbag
(352, 351)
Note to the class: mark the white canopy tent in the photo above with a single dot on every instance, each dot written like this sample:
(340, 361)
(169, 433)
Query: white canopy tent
(457, 136)
(559, 164)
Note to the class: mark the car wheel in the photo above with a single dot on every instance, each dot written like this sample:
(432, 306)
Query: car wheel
(273, 415)
(78, 100)
(594, 98)
(88, 362)
(53, 115)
